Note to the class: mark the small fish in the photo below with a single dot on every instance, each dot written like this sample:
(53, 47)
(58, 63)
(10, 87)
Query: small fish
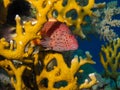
(57, 36)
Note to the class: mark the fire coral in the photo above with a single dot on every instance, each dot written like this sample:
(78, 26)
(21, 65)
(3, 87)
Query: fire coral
(23, 63)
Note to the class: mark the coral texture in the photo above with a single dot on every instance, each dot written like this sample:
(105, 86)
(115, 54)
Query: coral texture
(20, 60)
(106, 21)
(81, 12)
(110, 57)
(59, 71)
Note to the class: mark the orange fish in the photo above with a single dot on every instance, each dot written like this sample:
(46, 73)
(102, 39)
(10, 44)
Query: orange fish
(57, 36)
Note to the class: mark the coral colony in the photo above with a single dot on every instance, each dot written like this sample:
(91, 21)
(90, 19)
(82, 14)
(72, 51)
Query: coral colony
(36, 39)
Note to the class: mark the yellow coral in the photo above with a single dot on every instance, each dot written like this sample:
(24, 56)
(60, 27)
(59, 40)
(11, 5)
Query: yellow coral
(55, 68)
(82, 11)
(20, 41)
(88, 84)
(15, 74)
(23, 38)
(59, 71)
(110, 57)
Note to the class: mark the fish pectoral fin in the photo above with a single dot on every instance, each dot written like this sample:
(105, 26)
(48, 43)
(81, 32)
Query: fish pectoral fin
(46, 38)
(45, 42)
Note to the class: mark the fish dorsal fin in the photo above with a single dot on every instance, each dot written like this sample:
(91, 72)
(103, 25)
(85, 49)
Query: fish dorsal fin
(54, 27)
(50, 26)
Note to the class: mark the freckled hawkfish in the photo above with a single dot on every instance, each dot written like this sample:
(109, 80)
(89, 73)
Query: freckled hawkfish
(57, 36)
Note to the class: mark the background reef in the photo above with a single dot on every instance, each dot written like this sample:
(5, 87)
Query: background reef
(93, 66)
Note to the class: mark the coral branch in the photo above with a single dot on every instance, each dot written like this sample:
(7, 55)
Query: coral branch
(14, 73)
(17, 81)
(75, 64)
(109, 57)
(53, 72)
(81, 11)
(104, 25)
(54, 69)
(87, 83)
(30, 33)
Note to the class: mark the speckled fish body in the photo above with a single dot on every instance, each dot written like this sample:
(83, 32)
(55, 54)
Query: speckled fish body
(58, 37)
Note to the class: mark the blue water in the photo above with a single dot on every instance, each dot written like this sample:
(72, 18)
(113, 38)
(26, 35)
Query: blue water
(93, 44)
